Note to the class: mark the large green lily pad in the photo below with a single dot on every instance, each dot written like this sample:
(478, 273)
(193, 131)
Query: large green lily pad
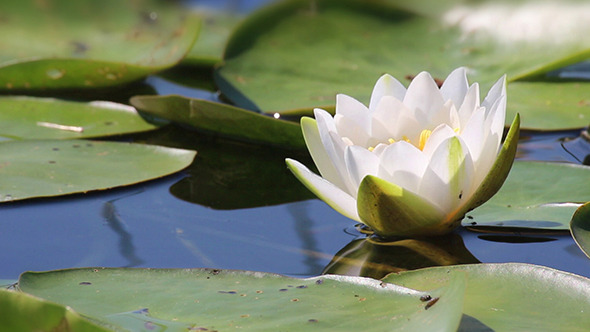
(513, 296)
(46, 118)
(580, 228)
(301, 53)
(86, 44)
(224, 299)
(23, 312)
(223, 119)
(31, 168)
(536, 195)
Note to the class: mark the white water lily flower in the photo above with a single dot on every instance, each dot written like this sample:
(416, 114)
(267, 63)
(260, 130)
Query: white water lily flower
(416, 160)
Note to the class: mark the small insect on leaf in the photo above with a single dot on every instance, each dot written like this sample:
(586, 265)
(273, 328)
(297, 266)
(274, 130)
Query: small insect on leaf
(431, 303)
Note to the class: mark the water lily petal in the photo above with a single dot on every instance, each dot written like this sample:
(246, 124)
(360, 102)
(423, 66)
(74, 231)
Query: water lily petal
(455, 86)
(474, 133)
(391, 210)
(499, 170)
(359, 163)
(386, 85)
(452, 164)
(403, 164)
(423, 94)
(326, 191)
(469, 105)
(497, 90)
(318, 152)
(353, 130)
(396, 118)
(440, 134)
(354, 110)
(334, 146)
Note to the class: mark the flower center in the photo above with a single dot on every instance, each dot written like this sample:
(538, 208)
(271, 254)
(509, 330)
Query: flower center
(424, 135)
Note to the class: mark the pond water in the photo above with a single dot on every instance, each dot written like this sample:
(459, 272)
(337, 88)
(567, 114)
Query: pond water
(238, 207)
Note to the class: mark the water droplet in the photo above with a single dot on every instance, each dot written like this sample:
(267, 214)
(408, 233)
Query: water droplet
(276, 115)
(7, 198)
(55, 74)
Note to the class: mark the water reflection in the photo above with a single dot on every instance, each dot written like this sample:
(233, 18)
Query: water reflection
(126, 247)
(369, 257)
(579, 148)
(303, 223)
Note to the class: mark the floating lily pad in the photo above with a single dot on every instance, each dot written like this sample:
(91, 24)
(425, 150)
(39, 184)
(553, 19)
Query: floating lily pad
(513, 297)
(216, 28)
(300, 54)
(23, 312)
(31, 168)
(223, 119)
(45, 118)
(536, 195)
(88, 44)
(224, 299)
(549, 105)
(580, 228)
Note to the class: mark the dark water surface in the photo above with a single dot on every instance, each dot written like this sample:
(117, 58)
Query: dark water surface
(238, 207)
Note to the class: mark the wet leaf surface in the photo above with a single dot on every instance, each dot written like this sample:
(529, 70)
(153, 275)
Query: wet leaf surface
(535, 195)
(86, 44)
(31, 168)
(47, 118)
(217, 299)
(511, 296)
(23, 312)
(296, 56)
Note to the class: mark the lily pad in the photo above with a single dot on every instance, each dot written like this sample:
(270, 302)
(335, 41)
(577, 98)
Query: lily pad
(580, 228)
(223, 299)
(31, 168)
(216, 28)
(538, 195)
(549, 105)
(223, 119)
(45, 118)
(23, 312)
(300, 54)
(89, 44)
(512, 296)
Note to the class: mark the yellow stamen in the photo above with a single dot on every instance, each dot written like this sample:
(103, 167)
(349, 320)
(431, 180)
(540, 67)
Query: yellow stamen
(405, 138)
(371, 148)
(456, 130)
(391, 141)
(424, 135)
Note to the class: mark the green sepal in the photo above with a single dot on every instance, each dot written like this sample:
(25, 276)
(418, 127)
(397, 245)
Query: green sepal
(390, 210)
(580, 228)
